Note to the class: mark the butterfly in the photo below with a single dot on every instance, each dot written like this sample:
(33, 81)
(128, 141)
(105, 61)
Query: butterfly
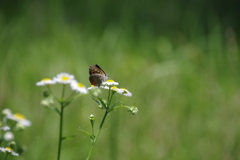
(97, 75)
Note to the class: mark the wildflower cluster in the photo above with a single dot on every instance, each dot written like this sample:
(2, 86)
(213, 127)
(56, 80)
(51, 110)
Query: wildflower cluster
(111, 85)
(50, 100)
(11, 123)
(62, 78)
(108, 104)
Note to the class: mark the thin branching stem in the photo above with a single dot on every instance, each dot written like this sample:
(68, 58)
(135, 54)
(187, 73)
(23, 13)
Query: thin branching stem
(93, 129)
(73, 93)
(101, 125)
(6, 156)
(61, 124)
(60, 133)
(49, 89)
(95, 139)
(63, 91)
(109, 95)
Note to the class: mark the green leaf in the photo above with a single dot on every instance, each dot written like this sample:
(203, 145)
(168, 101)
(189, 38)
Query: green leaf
(114, 107)
(66, 103)
(103, 104)
(61, 100)
(91, 136)
(96, 101)
(69, 137)
(92, 139)
(54, 109)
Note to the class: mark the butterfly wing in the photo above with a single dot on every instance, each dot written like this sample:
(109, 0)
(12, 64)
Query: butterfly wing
(97, 79)
(95, 70)
(97, 75)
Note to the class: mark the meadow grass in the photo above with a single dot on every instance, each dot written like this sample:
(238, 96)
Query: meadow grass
(186, 90)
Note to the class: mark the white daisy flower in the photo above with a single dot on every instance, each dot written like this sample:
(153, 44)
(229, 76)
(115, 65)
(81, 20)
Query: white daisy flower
(20, 127)
(113, 88)
(64, 78)
(110, 83)
(8, 136)
(105, 87)
(20, 119)
(6, 111)
(92, 87)
(5, 128)
(78, 87)
(45, 81)
(8, 150)
(124, 92)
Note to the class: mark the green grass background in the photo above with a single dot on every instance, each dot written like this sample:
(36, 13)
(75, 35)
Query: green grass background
(185, 83)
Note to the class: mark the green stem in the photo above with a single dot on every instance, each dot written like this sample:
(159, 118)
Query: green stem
(49, 89)
(95, 139)
(60, 133)
(63, 90)
(93, 129)
(109, 95)
(6, 156)
(115, 103)
(109, 102)
(61, 124)
(1, 137)
(71, 95)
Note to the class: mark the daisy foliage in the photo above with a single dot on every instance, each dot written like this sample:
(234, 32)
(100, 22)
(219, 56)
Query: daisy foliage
(45, 81)
(108, 104)
(68, 82)
(64, 79)
(68, 95)
(8, 150)
(10, 124)
(19, 118)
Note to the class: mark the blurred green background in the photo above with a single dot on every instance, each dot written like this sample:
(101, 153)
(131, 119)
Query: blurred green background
(180, 60)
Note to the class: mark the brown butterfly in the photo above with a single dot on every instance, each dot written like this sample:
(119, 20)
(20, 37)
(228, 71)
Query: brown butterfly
(97, 75)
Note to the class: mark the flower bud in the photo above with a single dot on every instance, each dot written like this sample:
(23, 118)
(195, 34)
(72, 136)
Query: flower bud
(47, 102)
(5, 128)
(45, 94)
(92, 119)
(95, 91)
(133, 110)
(12, 144)
(19, 127)
(8, 136)
(6, 111)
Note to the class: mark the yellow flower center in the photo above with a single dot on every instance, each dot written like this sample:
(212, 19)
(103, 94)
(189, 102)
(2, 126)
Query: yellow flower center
(80, 85)
(9, 149)
(46, 79)
(64, 78)
(124, 89)
(114, 87)
(19, 116)
(110, 80)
